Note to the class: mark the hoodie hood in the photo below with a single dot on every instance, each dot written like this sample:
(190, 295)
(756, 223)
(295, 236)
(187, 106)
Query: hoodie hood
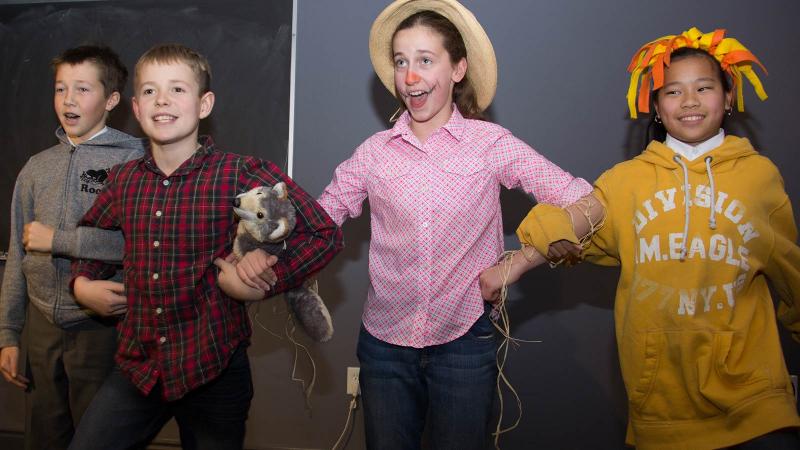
(722, 158)
(110, 139)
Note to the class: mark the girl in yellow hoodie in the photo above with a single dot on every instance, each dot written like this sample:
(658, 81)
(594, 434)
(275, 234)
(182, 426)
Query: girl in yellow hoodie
(697, 223)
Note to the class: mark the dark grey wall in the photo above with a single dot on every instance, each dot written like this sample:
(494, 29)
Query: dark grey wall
(562, 85)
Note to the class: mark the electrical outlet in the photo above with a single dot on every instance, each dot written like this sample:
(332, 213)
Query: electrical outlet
(352, 381)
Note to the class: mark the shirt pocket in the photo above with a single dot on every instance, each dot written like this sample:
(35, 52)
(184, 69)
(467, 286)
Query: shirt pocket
(463, 184)
(395, 186)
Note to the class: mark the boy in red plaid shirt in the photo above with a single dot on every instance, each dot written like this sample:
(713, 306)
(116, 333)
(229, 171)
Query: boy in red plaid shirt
(182, 347)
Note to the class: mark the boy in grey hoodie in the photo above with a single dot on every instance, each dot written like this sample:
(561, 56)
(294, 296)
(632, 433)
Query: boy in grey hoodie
(71, 349)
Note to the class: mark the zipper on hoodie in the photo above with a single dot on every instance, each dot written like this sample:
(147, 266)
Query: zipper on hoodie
(61, 220)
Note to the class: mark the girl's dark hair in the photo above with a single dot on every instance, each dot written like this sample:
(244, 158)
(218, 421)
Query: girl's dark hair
(463, 92)
(655, 130)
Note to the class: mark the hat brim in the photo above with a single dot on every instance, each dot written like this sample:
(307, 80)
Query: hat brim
(481, 61)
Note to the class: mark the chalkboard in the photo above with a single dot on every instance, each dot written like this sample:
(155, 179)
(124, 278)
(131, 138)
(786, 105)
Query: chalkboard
(247, 42)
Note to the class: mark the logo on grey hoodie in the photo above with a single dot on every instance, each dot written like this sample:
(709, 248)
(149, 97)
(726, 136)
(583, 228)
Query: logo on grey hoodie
(93, 180)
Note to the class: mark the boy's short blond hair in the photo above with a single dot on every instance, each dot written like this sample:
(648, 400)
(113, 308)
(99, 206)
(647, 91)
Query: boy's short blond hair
(171, 53)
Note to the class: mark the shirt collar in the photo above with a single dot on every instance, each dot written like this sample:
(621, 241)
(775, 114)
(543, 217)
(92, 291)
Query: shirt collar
(93, 136)
(455, 125)
(194, 162)
(692, 152)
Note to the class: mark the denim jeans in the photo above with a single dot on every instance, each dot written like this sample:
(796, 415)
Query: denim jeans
(211, 417)
(785, 439)
(445, 391)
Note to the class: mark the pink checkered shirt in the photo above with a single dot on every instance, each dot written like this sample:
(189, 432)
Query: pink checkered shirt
(436, 221)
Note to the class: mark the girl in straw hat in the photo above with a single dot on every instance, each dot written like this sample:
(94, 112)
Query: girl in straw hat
(698, 223)
(427, 347)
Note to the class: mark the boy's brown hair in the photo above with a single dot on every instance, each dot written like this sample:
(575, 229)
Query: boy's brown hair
(113, 74)
(171, 53)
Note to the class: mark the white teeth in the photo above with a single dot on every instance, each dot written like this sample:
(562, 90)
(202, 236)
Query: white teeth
(71, 116)
(416, 93)
(690, 118)
(163, 118)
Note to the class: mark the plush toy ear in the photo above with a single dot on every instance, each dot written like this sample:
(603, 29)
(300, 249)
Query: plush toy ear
(281, 191)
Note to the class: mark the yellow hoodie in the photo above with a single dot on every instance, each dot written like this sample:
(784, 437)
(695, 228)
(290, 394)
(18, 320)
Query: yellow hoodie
(696, 333)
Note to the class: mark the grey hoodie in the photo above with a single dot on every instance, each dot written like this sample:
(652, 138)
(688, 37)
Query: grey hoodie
(56, 187)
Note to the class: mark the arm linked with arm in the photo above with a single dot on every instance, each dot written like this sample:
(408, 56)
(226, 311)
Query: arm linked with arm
(89, 243)
(101, 216)
(315, 240)
(566, 207)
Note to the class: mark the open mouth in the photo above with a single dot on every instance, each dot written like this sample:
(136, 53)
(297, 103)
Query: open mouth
(70, 119)
(417, 98)
(164, 118)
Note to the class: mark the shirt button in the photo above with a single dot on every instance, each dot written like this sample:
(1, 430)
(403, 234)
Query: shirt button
(159, 310)
(158, 213)
(425, 224)
(162, 339)
(155, 276)
(156, 244)
(165, 182)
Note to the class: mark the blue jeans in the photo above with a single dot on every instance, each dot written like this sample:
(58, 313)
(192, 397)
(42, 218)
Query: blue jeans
(785, 439)
(210, 417)
(448, 388)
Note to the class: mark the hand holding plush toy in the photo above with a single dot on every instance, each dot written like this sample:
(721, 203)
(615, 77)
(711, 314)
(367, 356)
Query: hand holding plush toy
(266, 219)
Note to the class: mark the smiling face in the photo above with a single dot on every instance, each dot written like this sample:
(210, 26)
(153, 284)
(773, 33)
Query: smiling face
(424, 77)
(80, 101)
(692, 103)
(168, 104)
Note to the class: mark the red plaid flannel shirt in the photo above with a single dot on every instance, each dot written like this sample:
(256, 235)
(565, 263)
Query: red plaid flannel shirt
(180, 329)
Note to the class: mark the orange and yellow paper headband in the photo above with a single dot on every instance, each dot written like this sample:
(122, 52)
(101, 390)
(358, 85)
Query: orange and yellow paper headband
(649, 62)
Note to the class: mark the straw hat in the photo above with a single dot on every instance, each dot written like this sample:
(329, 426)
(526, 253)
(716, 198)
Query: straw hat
(482, 65)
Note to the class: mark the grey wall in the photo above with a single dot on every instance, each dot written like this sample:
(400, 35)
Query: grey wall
(561, 88)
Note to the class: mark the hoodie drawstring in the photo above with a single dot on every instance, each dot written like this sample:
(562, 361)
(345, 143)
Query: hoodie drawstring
(712, 219)
(678, 160)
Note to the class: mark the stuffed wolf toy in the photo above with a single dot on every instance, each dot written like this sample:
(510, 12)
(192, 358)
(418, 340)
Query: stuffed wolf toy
(266, 218)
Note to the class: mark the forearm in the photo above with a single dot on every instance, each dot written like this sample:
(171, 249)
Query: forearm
(89, 243)
(91, 270)
(523, 260)
(548, 224)
(586, 215)
(12, 317)
(304, 259)
(13, 297)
